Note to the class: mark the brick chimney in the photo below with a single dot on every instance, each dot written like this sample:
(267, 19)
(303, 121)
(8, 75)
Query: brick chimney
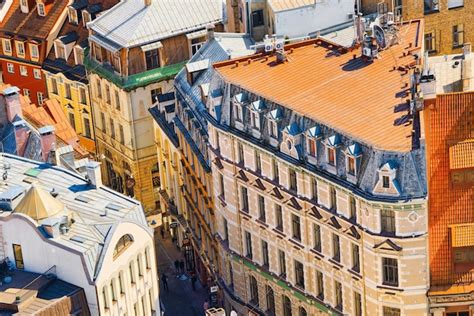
(11, 103)
(48, 140)
(93, 173)
(21, 136)
(147, 2)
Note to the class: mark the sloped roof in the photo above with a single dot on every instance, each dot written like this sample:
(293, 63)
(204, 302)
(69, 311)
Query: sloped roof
(281, 5)
(39, 204)
(461, 155)
(132, 23)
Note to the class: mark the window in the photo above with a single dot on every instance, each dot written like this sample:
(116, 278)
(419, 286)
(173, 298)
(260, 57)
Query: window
(104, 297)
(131, 270)
(317, 237)
(117, 62)
(98, 88)
(357, 304)
(286, 306)
(431, 5)
(241, 153)
(82, 95)
(147, 258)
(257, 18)
(26, 92)
(67, 88)
(86, 17)
(299, 274)
(295, 220)
(270, 300)
(312, 147)
(118, 106)
(87, 127)
(41, 11)
(34, 53)
(97, 52)
(336, 248)
(102, 121)
(60, 51)
(37, 73)
(282, 263)
(72, 14)
(72, 121)
(302, 312)
(112, 289)
(261, 209)
(54, 86)
(458, 35)
(40, 97)
(78, 55)
(333, 201)
(293, 182)
(455, 4)
(320, 285)
(18, 254)
(314, 189)
(196, 44)
(351, 166)
(112, 128)
(278, 217)
(352, 208)
(248, 243)
(10, 68)
(390, 271)
(430, 42)
(355, 258)
(265, 260)
(238, 112)
(338, 294)
(390, 311)
(331, 152)
(273, 129)
(20, 49)
(244, 199)
(253, 291)
(154, 95)
(226, 229)
(120, 280)
(221, 187)
(107, 94)
(255, 120)
(275, 170)
(152, 59)
(7, 46)
(23, 71)
(122, 244)
(139, 264)
(387, 219)
(258, 162)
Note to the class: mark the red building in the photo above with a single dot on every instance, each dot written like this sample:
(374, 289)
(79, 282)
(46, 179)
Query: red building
(26, 34)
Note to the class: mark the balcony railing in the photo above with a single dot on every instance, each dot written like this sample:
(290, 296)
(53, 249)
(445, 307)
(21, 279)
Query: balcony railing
(133, 81)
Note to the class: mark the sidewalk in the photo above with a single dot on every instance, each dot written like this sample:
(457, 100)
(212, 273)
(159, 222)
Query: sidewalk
(180, 300)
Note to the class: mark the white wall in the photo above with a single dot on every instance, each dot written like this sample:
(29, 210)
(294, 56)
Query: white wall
(300, 22)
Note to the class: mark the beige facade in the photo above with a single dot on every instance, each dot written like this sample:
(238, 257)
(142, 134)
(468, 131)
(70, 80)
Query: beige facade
(358, 275)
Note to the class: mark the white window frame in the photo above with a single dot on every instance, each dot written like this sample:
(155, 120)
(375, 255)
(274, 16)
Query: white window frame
(26, 92)
(41, 9)
(255, 119)
(23, 71)
(40, 97)
(239, 113)
(10, 68)
(86, 17)
(72, 15)
(20, 46)
(34, 48)
(37, 73)
(78, 55)
(7, 42)
(57, 45)
(273, 128)
(452, 4)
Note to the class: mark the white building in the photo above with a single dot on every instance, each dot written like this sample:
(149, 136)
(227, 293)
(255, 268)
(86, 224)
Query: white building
(91, 236)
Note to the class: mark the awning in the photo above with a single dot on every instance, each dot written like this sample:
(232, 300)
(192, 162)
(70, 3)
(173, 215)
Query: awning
(151, 46)
(462, 235)
(105, 43)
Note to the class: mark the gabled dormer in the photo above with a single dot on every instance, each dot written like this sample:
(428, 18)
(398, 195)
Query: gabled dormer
(74, 11)
(274, 117)
(353, 155)
(63, 46)
(27, 5)
(312, 137)
(256, 114)
(332, 144)
(239, 103)
(387, 183)
(291, 141)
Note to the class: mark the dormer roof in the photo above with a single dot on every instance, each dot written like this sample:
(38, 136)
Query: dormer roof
(334, 140)
(39, 204)
(314, 131)
(258, 105)
(293, 129)
(241, 97)
(275, 114)
(354, 149)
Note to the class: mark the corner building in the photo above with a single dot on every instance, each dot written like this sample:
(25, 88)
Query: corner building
(319, 180)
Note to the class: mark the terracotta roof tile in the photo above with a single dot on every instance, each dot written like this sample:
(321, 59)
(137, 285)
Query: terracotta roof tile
(461, 155)
(462, 235)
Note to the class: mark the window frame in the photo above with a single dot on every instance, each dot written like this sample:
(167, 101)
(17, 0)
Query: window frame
(21, 44)
(23, 71)
(295, 227)
(10, 68)
(41, 9)
(37, 74)
(9, 41)
(336, 247)
(299, 274)
(390, 274)
(458, 33)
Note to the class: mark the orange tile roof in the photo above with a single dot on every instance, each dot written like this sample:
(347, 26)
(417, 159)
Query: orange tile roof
(279, 5)
(461, 155)
(462, 235)
(364, 100)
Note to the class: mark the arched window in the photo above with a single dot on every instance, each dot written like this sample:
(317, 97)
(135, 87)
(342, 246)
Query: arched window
(253, 291)
(270, 301)
(302, 312)
(122, 244)
(286, 306)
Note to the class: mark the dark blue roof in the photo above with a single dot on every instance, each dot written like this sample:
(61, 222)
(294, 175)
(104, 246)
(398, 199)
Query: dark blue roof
(166, 97)
(69, 37)
(80, 4)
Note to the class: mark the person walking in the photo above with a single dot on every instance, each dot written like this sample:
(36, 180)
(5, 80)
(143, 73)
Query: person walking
(193, 281)
(162, 232)
(181, 266)
(176, 265)
(164, 280)
(205, 305)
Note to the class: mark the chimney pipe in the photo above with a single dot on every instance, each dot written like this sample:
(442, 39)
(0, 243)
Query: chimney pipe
(210, 31)
(48, 140)
(12, 102)
(93, 173)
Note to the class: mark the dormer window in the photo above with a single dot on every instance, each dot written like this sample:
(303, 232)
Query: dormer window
(239, 101)
(312, 136)
(256, 108)
(78, 55)
(353, 153)
(351, 165)
(331, 152)
(60, 49)
(20, 49)
(291, 142)
(273, 118)
(7, 46)
(41, 9)
(86, 17)
(34, 52)
(72, 14)
(331, 145)
(387, 183)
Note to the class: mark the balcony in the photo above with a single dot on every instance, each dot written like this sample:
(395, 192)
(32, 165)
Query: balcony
(134, 81)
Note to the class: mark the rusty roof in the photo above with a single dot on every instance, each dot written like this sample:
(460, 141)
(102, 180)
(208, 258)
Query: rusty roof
(337, 88)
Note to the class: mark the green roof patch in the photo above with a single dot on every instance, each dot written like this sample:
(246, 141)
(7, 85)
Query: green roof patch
(33, 172)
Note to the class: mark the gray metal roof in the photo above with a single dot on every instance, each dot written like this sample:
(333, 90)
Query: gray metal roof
(131, 23)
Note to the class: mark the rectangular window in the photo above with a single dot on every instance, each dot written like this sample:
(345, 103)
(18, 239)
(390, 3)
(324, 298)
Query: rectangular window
(7, 46)
(121, 134)
(10, 68)
(278, 217)
(317, 237)
(152, 59)
(431, 5)
(387, 219)
(355, 258)
(54, 86)
(282, 263)
(40, 97)
(336, 248)
(72, 121)
(121, 285)
(352, 208)
(261, 209)
(386, 181)
(41, 10)
(351, 166)
(238, 112)
(458, 35)
(107, 94)
(117, 101)
(117, 63)
(87, 127)
(60, 51)
(299, 274)
(331, 156)
(390, 271)
(112, 128)
(221, 187)
(390, 311)
(257, 18)
(112, 289)
(455, 4)
(131, 270)
(102, 121)
(67, 88)
(258, 162)
(196, 44)
(34, 51)
(275, 170)
(82, 95)
(244, 199)
(26, 92)
(248, 243)
(18, 254)
(37, 73)
(273, 129)
(154, 95)
(78, 55)
(20, 49)
(430, 42)
(104, 297)
(226, 228)
(23, 71)
(265, 259)
(338, 294)
(357, 304)
(314, 190)
(98, 88)
(293, 181)
(333, 201)
(320, 285)
(241, 153)
(312, 147)
(296, 226)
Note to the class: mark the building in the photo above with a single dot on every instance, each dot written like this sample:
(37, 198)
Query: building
(448, 88)
(447, 22)
(27, 33)
(128, 70)
(57, 223)
(64, 70)
(288, 18)
(185, 168)
(318, 166)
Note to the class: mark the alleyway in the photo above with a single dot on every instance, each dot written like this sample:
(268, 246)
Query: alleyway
(180, 300)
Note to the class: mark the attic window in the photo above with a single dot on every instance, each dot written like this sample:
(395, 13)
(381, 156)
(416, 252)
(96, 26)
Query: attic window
(78, 239)
(86, 17)
(60, 50)
(256, 108)
(273, 118)
(78, 55)
(72, 14)
(386, 181)
(331, 145)
(353, 152)
(124, 242)
(312, 135)
(331, 156)
(41, 9)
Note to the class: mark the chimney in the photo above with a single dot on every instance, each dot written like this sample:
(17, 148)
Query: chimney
(467, 70)
(48, 140)
(21, 136)
(12, 102)
(65, 157)
(93, 173)
(147, 2)
(210, 31)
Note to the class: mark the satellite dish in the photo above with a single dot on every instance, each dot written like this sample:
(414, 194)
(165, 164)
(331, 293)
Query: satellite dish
(379, 35)
(279, 44)
(268, 45)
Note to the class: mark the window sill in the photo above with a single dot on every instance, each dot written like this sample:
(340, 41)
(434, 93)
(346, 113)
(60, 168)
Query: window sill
(431, 12)
(390, 287)
(454, 8)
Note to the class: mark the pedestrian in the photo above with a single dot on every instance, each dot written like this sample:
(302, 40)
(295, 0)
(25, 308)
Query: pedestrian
(181, 266)
(162, 232)
(205, 305)
(164, 280)
(193, 281)
(176, 265)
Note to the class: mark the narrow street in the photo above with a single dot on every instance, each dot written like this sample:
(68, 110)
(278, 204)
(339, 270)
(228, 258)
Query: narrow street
(180, 299)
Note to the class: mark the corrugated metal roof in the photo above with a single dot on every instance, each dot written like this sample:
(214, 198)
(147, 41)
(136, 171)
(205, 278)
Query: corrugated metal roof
(132, 23)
